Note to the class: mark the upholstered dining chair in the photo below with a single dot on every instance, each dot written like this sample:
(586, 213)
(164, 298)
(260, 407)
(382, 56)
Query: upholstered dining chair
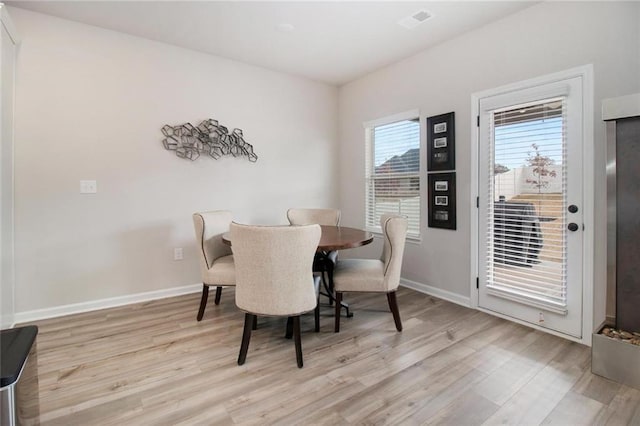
(324, 262)
(216, 260)
(375, 275)
(311, 216)
(274, 276)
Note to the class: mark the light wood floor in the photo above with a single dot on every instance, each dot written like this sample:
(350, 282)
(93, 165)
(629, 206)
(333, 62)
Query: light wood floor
(153, 364)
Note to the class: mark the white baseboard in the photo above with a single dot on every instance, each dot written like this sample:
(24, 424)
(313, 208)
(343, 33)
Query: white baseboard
(76, 308)
(112, 302)
(437, 292)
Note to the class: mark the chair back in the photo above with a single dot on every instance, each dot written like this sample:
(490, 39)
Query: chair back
(310, 216)
(209, 227)
(274, 273)
(394, 228)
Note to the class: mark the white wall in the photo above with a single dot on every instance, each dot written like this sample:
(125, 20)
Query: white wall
(90, 104)
(546, 38)
(8, 37)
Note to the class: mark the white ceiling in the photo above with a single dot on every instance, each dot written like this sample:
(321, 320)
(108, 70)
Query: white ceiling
(332, 41)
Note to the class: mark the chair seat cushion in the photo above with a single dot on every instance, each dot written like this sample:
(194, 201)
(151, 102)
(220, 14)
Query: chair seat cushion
(359, 275)
(223, 272)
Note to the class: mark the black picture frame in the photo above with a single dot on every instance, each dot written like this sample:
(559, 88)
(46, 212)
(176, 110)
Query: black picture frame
(441, 142)
(442, 200)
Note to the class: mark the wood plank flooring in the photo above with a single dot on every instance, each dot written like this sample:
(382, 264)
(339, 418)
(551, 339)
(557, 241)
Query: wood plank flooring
(154, 364)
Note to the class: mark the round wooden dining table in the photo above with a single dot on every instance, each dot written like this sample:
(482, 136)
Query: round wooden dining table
(333, 238)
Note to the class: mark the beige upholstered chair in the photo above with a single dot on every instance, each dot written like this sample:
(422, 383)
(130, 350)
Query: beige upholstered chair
(326, 261)
(216, 260)
(373, 275)
(311, 216)
(274, 275)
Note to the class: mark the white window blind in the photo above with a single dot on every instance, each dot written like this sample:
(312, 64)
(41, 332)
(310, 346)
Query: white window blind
(526, 220)
(393, 173)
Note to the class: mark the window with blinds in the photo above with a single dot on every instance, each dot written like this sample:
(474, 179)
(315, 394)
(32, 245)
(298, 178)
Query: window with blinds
(526, 220)
(393, 173)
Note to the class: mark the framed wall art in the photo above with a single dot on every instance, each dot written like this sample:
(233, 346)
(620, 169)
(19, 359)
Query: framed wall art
(441, 154)
(442, 200)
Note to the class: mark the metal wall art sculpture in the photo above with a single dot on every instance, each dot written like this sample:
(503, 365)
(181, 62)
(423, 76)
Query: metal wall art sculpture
(208, 138)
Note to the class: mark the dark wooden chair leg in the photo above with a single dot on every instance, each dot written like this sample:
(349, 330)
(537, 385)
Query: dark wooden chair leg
(393, 305)
(289, 330)
(255, 322)
(297, 339)
(246, 336)
(316, 313)
(328, 268)
(203, 301)
(327, 287)
(338, 309)
(218, 295)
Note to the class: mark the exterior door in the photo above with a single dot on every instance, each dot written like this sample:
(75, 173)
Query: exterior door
(530, 205)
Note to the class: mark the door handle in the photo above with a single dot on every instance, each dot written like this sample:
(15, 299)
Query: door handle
(573, 227)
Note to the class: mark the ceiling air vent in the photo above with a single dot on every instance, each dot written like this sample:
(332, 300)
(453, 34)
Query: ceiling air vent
(410, 22)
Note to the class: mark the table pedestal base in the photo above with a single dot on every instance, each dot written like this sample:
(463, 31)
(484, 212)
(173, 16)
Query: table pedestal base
(322, 263)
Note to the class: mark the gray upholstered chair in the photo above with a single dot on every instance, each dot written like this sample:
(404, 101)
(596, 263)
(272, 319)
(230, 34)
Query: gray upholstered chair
(326, 261)
(375, 275)
(274, 276)
(216, 259)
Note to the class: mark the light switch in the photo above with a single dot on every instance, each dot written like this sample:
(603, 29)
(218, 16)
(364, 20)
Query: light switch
(177, 253)
(88, 187)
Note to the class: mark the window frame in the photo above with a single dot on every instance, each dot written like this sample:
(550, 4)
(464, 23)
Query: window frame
(369, 127)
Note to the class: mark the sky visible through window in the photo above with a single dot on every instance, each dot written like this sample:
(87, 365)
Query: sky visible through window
(514, 142)
(395, 139)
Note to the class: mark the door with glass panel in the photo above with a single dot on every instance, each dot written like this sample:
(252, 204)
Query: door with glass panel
(530, 205)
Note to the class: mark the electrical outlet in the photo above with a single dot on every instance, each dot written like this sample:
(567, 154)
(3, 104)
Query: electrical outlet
(177, 253)
(88, 187)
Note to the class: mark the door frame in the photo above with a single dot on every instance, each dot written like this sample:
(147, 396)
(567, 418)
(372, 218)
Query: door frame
(588, 168)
